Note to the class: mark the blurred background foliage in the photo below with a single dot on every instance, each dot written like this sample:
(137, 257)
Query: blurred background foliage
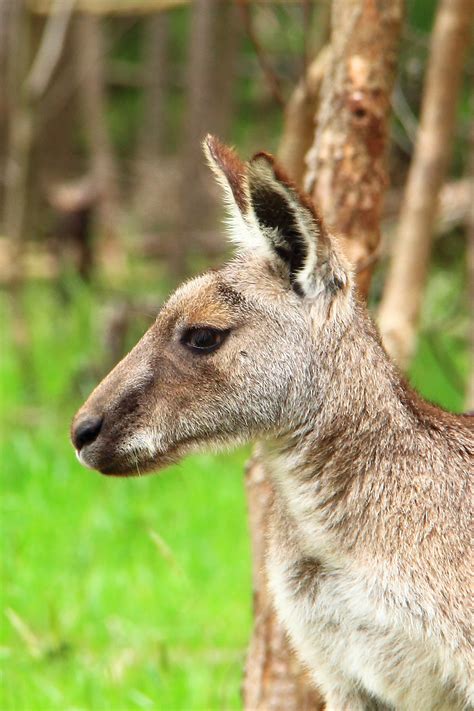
(136, 594)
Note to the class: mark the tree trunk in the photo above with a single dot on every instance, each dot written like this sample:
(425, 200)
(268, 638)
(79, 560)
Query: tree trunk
(6, 10)
(299, 124)
(90, 50)
(346, 176)
(401, 303)
(19, 132)
(210, 84)
(152, 137)
(57, 121)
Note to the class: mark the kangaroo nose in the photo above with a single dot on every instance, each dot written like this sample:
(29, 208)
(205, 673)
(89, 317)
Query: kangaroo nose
(86, 431)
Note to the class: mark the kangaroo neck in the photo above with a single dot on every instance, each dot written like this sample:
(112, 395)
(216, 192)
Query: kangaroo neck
(330, 470)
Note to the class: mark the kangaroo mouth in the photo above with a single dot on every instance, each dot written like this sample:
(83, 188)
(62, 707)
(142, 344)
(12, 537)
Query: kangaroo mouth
(138, 468)
(117, 463)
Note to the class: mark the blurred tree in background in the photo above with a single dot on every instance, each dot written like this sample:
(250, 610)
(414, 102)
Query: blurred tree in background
(106, 204)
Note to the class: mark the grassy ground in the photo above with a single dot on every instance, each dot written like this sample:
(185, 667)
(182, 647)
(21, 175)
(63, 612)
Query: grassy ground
(130, 594)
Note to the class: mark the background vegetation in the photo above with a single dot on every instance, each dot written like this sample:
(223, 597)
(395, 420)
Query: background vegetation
(124, 594)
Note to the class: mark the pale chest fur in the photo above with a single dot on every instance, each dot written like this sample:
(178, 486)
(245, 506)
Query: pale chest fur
(362, 651)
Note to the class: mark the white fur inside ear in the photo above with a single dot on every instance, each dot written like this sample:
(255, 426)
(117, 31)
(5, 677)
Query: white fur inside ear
(242, 229)
(266, 215)
(245, 233)
(241, 225)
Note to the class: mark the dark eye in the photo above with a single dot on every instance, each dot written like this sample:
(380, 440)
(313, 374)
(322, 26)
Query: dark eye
(203, 340)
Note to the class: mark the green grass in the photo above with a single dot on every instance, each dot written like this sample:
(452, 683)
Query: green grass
(116, 594)
(441, 364)
(128, 594)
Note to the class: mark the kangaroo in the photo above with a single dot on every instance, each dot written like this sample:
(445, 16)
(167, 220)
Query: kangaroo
(369, 537)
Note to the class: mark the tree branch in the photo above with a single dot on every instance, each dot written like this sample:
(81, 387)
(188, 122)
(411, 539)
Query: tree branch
(299, 123)
(272, 79)
(50, 49)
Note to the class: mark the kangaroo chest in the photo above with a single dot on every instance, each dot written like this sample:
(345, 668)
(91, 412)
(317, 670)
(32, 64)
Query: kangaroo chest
(347, 637)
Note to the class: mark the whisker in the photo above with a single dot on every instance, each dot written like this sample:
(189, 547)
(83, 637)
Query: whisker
(135, 452)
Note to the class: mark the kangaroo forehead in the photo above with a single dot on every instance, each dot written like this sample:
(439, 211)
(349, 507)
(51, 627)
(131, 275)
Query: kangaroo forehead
(220, 297)
(205, 300)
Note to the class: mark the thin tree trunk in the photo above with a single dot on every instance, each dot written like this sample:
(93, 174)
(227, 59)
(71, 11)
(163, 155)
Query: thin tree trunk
(195, 198)
(57, 122)
(299, 125)
(401, 303)
(152, 138)
(6, 9)
(90, 50)
(226, 46)
(20, 134)
(347, 177)
(210, 81)
(24, 88)
(18, 150)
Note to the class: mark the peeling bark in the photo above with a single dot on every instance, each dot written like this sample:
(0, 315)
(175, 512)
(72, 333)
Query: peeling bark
(401, 304)
(347, 173)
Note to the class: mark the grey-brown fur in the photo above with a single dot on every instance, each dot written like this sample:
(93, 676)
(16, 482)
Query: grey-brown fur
(369, 552)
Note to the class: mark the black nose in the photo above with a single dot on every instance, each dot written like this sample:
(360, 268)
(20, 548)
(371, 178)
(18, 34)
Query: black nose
(86, 431)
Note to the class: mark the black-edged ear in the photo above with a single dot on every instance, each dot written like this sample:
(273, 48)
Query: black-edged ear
(294, 230)
(268, 214)
(232, 175)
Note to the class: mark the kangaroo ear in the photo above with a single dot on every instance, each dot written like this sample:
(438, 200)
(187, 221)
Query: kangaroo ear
(294, 230)
(270, 215)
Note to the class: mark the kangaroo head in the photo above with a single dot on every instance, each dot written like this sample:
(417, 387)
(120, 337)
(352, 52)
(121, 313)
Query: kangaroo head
(235, 353)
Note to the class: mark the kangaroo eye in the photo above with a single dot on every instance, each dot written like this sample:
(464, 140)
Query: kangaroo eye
(203, 340)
